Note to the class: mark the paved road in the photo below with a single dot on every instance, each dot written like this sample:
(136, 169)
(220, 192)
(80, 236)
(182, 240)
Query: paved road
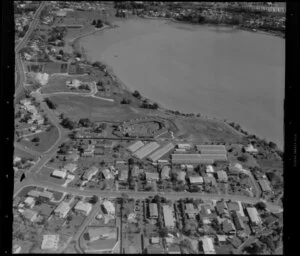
(19, 65)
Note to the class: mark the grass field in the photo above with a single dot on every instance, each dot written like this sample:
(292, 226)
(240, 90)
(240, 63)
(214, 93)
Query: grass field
(77, 107)
(55, 67)
(47, 139)
(23, 154)
(204, 130)
(45, 174)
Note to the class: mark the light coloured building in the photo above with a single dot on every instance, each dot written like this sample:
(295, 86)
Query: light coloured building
(83, 207)
(165, 172)
(265, 186)
(29, 201)
(251, 149)
(59, 174)
(135, 146)
(207, 245)
(153, 211)
(168, 216)
(184, 146)
(146, 150)
(50, 242)
(209, 169)
(90, 173)
(123, 175)
(109, 207)
(62, 209)
(30, 215)
(70, 167)
(181, 176)
(190, 159)
(253, 215)
(160, 152)
(222, 176)
(34, 193)
(107, 174)
(46, 194)
(152, 176)
(196, 180)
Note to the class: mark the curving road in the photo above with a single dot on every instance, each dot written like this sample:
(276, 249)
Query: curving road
(20, 69)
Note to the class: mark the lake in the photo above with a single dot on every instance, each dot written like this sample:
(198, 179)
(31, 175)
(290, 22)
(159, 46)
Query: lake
(217, 71)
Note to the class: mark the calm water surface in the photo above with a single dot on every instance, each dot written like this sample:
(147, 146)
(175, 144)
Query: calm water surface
(221, 72)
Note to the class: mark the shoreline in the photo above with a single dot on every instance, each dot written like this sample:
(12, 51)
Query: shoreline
(123, 86)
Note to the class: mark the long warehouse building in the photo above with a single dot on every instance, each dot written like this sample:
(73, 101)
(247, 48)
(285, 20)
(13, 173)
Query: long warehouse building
(190, 159)
(146, 150)
(135, 146)
(160, 152)
(215, 157)
(211, 147)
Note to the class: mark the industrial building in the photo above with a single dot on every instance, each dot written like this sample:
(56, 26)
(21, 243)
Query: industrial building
(204, 148)
(190, 159)
(214, 157)
(184, 146)
(135, 146)
(162, 151)
(146, 150)
(168, 216)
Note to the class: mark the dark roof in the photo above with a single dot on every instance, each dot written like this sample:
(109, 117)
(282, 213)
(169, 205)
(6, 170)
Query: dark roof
(227, 226)
(233, 206)
(221, 206)
(235, 241)
(239, 225)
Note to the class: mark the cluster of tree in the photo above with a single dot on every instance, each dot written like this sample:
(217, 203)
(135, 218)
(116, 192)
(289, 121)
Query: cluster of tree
(94, 199)
(99, 65)
(146, 104)
(253, 249)
(242, 158)
(57, 33)
(85, 122)
(84, 87)
(97, 23)
(137, 95)
(35, 139)
(50, 103)
(125, 101)
(192, 18)
(68, 123)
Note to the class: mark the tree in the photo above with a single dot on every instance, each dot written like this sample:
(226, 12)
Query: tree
(137, 94)
(130, 161)
(242, 158)
(260, 206)
(103, 126)
(86, 236)
(85, 122)
(35, 139)
(253, 249)
(125, 101)
(94, 199)
(50, 104)
(67, 123)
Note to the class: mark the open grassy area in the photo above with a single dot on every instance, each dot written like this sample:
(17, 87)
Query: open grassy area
(205, 130)
(45, 174)
(23, 154)
(77, 107)
(25, 190)
(46, 140)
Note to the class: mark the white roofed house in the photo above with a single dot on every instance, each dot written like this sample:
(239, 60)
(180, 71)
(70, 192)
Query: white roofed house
(62, 209)
(75, 83)
(222, 176)
(70, 167)
(207, 245)
(165, 172)
(181, 176)
(107, 174)
(30, 215)
(168, 216)
(253, 216)
(29, 201)
(251, 149)
(123, 175)
(209, 169)
(196, 180)
(59, 174)
(109, 207)
(90, 173)
(265, 186)
(152, 176)
(184, 146)
(83, 207)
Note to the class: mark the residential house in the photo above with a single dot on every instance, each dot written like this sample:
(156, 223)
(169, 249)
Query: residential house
(233, 206)
(107, 174)
(181, 176)
(168, 216)
(174, 249)
(46, 194)
(196, 180)
(153, 211)
(29, 201)
(83, 207)
(221, 208)
(239, 224)
(34, 193)
(165, 172)
(90, 173)
(71, 167)
(209, 169)
(59, 174)
(123, 176)
(30, 215)
(250, 149)
(253, 216)
(152, 176)
(222, 176)
(190, 211)
(109, 207)
(228, 227)
(207, 245)
(221, 239)
(62, 209)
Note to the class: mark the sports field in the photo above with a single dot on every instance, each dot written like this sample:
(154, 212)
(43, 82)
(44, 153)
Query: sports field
(76, 107)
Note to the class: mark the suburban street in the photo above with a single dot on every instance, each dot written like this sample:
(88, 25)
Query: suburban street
(20, 69)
